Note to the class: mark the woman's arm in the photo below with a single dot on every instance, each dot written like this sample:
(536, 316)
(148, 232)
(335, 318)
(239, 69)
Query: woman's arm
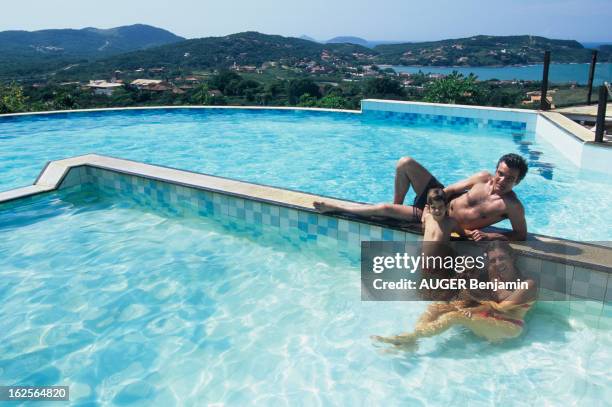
(517, 299)
(485, 306)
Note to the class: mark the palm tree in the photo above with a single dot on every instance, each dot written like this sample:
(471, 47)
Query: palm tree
(200, 94)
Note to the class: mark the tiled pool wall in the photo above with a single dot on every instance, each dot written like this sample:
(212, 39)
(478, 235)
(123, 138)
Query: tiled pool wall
(443, 120)
(295, 224)
(584, 155)
(557, 281)
(476, 116)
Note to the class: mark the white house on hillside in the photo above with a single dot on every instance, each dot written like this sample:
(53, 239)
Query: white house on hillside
(102, 87)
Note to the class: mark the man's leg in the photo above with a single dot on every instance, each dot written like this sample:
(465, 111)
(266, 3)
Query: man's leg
(394, 211)
(409, 172)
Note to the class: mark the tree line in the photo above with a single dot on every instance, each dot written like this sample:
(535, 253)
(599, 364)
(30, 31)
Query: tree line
(231, 88)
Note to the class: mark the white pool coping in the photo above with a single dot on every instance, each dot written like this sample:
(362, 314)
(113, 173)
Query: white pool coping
(54, 172)
(173, 107)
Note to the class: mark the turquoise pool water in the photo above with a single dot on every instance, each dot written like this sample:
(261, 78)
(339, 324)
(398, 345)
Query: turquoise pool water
(135, 306)
(345, 155)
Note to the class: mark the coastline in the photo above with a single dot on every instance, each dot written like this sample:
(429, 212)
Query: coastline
(489, 66)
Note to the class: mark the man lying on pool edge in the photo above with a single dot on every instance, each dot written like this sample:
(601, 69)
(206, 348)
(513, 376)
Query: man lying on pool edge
(475, 203)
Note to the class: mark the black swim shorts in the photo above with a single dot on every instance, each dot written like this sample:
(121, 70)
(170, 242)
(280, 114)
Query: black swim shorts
(421, 199)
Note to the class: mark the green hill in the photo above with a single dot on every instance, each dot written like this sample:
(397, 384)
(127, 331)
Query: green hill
(248, 48)
(484, 50)
(27, 52)
(88, 53)
(606, 48)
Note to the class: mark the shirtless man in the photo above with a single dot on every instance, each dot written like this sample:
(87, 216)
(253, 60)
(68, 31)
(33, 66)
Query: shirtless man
(477, 202)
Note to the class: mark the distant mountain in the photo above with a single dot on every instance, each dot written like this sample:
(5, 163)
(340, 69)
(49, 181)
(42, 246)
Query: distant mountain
(84, 42)
(133, 37)
(596, 45)
(361, 41)
(247, 48)
(348, 40)
(35, 50)
(484, 50)
(372, 44)
(307, 38)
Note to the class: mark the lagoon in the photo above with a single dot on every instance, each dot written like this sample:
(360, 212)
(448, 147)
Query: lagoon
(559, 73)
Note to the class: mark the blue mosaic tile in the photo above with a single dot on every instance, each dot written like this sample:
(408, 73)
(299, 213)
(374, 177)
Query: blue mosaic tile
(458, 121)
(265, 209)
(207, 208)
(370, 232)
(589, 284)
(274, 210)
(556, 277)
(530, 267)
(343, 230)
(71, 179)
(325, 231)
(353, 233)
(312, 229)
(289, 219)
(327, 221)
(393, 235)
(257, 207)
(266, 218)
(307, 217)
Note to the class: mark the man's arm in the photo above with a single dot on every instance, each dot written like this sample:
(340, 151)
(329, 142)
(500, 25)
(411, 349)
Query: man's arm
(516, 214)
(466, 184)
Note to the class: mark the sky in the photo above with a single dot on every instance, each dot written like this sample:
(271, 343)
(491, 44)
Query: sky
(406, 20)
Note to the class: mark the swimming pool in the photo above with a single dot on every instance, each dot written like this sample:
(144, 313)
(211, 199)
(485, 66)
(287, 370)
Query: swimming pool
(346, 155)
(144, 305)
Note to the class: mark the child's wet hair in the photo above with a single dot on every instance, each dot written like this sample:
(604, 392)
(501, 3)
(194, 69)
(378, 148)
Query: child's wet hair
(436, 195)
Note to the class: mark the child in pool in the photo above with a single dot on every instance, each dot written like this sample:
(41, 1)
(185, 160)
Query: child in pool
(437, 225)
(437, 229)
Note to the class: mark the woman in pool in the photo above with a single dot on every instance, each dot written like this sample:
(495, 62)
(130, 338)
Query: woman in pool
(499, 317)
